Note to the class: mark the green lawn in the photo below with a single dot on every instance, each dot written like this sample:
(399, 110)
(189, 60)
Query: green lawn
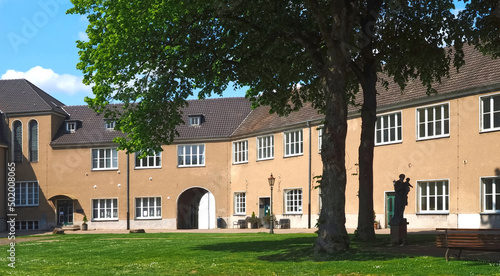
(220, 254)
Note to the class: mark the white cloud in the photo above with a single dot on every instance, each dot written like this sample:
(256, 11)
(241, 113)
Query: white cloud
(51, 82)
(83, 36)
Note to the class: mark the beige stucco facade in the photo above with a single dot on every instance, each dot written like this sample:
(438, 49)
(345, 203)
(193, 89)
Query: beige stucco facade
(197, 196)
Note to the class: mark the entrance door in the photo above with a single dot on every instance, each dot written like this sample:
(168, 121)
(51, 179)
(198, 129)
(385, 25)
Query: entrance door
(389, 207)
(65, 212)
(196, 209)
(264, 207)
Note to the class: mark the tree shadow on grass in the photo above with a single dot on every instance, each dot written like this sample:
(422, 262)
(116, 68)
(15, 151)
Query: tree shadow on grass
(298, 250)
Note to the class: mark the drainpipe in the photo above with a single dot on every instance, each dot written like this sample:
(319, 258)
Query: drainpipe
(128, 191)
(309, 179)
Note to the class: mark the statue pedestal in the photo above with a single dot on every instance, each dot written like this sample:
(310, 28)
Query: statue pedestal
(399, 232)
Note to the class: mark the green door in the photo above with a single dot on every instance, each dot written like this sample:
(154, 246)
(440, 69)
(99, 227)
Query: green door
(65, 212)
(389, 207)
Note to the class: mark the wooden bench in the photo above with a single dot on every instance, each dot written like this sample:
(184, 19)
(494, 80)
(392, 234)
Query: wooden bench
(241, 223)
(468, 239)
(284, 223)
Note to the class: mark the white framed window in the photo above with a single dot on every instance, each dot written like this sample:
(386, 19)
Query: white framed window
(240, 152)
(433, 121)
(293, 201)
(490, 194)
(195, 120)
(26, 225)
(110, 124)
(148, 162)
(293, 143)
(490, 112)
(191, 155)
(389, 129)
(105, 209)
(433, 196)
(265, 147)
(320, 137)
(27, 194)
(17, 141)
(239, 203)
(71, 127)
(104, 159)
(148, 208)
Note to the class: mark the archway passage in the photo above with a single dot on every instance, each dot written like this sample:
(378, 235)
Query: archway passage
(196, 209)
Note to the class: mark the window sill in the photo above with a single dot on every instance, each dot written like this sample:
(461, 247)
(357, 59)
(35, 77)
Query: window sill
(265, 159)
(389, 143)
(240, 163)
(155, 218)
(433, 138)
(196, 166)
(432, 214)
(294, 155)
(101, 170)
(239, 215)
(146, 168)
(292, 214)
(104, 220)
(489, 130)
(490, 213)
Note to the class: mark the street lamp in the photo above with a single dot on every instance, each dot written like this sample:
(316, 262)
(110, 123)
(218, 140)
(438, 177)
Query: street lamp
(271, 184)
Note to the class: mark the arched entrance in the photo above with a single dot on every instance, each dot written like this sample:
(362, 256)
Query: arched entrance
(196, 209)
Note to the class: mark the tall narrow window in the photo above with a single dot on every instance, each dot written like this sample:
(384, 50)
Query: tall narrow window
(388, 129)
(240, 152)
(293, 143)
(490, 113)
(239, 203)
(33, 141)
(320, 137)
(17, 141)
(490, 194)
(265, 147)
(293, 201)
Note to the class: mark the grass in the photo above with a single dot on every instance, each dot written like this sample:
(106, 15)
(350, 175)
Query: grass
(220, 254)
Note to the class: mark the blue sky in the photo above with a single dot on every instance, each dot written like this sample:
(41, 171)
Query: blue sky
(37, 42)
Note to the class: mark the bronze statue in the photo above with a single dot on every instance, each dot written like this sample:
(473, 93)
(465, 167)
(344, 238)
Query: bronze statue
(402, 188)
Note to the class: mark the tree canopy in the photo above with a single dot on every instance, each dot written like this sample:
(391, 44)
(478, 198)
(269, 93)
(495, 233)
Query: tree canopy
(151, 55)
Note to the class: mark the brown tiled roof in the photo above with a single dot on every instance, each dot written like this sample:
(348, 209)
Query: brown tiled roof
(21, 96)
(221, 117)
(90, 128)
(260, 120)
(480, 74)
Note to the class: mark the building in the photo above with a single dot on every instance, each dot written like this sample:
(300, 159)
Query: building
(216, 171)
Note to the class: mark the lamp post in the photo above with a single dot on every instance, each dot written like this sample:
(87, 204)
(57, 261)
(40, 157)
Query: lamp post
(271, 184)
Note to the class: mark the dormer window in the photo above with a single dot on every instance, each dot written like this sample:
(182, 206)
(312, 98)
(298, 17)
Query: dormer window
(71, 127)
(110, 125)
(195, 120)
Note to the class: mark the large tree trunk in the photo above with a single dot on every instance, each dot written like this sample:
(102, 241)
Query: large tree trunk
(332, 235)
(365, 229)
